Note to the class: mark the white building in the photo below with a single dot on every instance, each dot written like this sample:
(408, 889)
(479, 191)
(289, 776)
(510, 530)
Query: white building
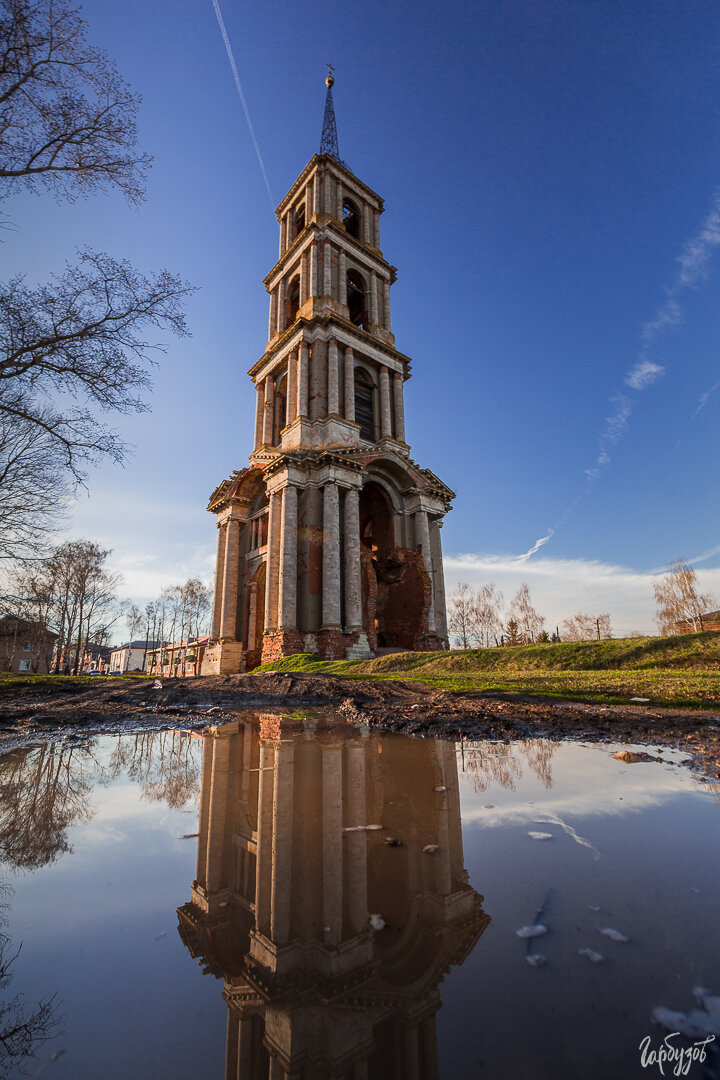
(132, 656)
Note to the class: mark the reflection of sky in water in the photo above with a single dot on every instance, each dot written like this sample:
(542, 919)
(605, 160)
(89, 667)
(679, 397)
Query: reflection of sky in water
(99, 924)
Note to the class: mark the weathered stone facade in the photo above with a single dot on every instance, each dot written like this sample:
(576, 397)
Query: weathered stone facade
(329, 542)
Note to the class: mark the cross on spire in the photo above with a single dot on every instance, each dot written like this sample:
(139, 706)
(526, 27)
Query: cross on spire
(329, 140)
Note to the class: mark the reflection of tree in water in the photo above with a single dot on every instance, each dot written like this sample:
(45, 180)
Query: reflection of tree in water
(43, 792)
(23, 1030)
(498, 763)
(166, 765)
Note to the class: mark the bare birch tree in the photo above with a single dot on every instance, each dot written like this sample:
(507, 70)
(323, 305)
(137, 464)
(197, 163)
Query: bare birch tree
(461, 615)
(678, 601)
(529, 622)
(487, 617)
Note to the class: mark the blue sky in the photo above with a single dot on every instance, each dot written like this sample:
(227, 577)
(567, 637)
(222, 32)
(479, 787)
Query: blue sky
(545, 167)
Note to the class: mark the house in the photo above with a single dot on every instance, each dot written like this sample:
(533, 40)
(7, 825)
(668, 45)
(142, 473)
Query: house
(25, 647)
(95, 658)
(132, 656)
(177, 658)
(709, 620)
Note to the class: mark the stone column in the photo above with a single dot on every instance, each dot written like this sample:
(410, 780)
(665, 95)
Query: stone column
(422, 536)
(208, 748)
(272, 326)
(281, 880)
(244, 1044)
(339, 202)
(327, 205)
(316, 193)
(349, 384)
(280, 324)
(292, 387)
(303, 381)
(218, 591)
(385, 422)
(376, 229)
(353, 582)
(283, 236)
(356, 842)
(216, 813)
(314, 288)
(230, 580)
(332, 840)
(327, 269)
(303, 280)
(267, 436)
(331, 558)
(259, 410)
(333, 398)
(373, 298)
(287, 611)
(386, 304)
(263, 865)
(342, 278)
(439, 578)
(399, 406)
(271, 567)
(366, 225)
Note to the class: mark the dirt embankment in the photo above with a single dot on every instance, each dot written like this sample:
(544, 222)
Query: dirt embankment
(406, 707)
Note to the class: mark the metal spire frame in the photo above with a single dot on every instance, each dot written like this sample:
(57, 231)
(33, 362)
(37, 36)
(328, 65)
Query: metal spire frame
(329, 139)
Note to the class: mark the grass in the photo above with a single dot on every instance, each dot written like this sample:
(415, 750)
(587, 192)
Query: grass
(682, 671)
(11, 678)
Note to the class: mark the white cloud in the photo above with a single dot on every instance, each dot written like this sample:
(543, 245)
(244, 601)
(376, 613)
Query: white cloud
(696, 253)
(536, 546)
(644, 374)
(562, 587)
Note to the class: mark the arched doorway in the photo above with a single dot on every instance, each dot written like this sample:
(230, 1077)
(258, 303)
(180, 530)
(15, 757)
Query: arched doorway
(393, 587)
(255, 618)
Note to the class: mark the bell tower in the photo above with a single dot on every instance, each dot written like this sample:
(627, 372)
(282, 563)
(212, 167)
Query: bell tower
(329, 542)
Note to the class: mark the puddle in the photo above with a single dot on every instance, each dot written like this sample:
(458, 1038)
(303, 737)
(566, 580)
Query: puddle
(224, 903)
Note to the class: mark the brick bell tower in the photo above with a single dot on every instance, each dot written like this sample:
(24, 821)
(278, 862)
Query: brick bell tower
(329, 541)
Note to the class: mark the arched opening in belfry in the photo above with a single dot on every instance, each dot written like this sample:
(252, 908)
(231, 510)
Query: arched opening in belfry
(356, 293)
(365, 404)
(393, 588)
(351, 218)
(292, 301)
(299, 220)
(280, 408)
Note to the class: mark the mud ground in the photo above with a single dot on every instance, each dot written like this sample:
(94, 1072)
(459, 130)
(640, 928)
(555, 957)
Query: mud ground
(33, 710)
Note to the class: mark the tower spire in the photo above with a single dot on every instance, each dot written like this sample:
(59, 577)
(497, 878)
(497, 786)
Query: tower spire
(329, 140)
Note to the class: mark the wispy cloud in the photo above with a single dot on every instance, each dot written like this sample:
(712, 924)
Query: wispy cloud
(704, 398)
(615, 427)
(536, 546)
(644, 374)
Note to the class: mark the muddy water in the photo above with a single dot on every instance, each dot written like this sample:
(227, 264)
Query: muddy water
(221, 905)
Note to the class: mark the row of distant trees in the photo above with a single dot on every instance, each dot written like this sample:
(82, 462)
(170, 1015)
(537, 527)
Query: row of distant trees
(71, 593)
(478, 618)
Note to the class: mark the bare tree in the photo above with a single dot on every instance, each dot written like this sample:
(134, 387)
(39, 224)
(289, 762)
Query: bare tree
(33, 488)
(81, 345)
(529, 623)
(68, 118)
(679, 604)
(487, 619)
(586, 627)
(461, 615)
(77, 347)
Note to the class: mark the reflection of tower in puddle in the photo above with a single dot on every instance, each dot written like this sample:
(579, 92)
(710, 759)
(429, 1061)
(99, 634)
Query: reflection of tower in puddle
(286, 883)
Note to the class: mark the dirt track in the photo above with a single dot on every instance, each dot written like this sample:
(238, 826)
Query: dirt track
(406, 707)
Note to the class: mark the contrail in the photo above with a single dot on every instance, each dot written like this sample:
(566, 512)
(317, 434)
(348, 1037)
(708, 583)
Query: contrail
(233, 66)
(536, 546)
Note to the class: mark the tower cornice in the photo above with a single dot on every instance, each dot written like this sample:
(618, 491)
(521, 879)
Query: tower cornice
(316, 230)
(336, 166)
(364, 341)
